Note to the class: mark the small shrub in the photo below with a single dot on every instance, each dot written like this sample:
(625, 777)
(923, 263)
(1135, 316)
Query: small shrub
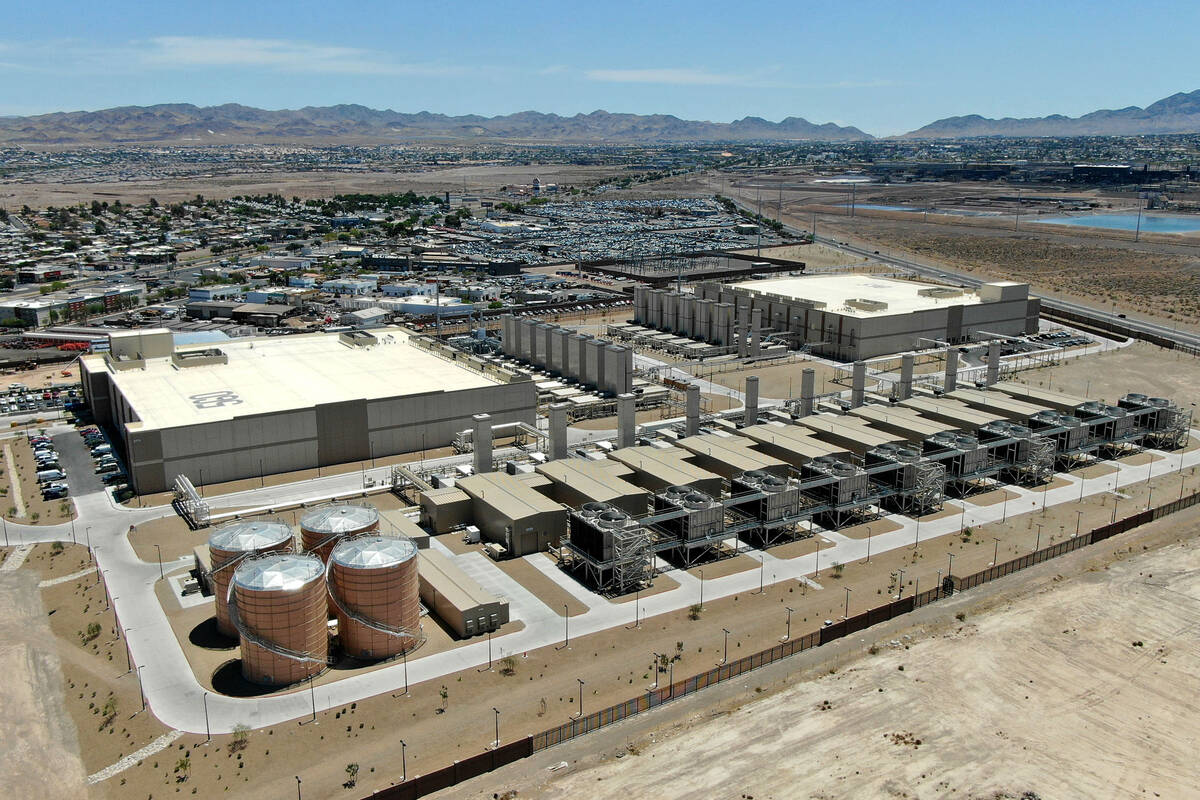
(241, 737)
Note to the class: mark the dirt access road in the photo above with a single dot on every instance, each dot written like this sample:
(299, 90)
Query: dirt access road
(1084, 687)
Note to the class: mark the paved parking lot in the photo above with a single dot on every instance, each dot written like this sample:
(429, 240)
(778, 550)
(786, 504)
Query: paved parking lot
(77, 463)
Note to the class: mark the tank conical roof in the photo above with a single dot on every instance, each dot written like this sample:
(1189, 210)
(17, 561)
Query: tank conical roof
(246, 535)
(279, 571)
(372, 551)
(339, 519)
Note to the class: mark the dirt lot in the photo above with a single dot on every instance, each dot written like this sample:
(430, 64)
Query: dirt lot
(814, 256)
(1102, 662)
(475, 178)
(1108, 376)
(68, 636)
(777, 381)
(39, 752)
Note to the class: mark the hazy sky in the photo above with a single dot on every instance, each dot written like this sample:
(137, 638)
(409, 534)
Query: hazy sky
(886, 67)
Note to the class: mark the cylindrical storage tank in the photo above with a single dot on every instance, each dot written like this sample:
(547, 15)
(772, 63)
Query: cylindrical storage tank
(321, 528)
(232, 542)
(373, 580)
(280, 611)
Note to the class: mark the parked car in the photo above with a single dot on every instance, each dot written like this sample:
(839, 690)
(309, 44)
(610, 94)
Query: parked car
(50, 475)
(101, 449)
(113, 478)
(110, 466)
(55, 491)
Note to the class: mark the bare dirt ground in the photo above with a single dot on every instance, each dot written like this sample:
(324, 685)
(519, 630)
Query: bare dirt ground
(1044, 687)
(814, 256)
(777, 381)
(475, 178)
(38, 732)
(1141, 367)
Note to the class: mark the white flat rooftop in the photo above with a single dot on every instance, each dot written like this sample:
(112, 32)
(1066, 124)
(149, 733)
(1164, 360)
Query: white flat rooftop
(282, 373)
(902, 297)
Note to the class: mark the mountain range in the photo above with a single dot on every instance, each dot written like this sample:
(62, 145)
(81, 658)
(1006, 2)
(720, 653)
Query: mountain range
(1179, 113)
(183, 123)
(232, 123)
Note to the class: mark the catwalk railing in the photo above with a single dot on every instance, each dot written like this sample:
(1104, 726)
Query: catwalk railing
(459, 771)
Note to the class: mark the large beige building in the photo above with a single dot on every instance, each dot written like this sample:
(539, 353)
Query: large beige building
(269, 405)
(843, 316)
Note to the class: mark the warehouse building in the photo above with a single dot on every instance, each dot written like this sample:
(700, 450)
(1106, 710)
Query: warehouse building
(849, 317)
(456, 598)
(512, 514)
(262, 406)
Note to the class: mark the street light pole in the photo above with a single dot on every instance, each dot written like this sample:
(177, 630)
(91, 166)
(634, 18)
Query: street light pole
(403, 762)
(901, 594)
(996, 553)
(847, 614)
(497, 742)
(950, 569)
(207, 729)
(868, 561)
(580, 697)
(298, 797)
(725, 658)
(158, 549)
(655, 667)
(701, 589)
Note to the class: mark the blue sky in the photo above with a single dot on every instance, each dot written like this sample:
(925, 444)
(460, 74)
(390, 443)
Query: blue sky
(886, 67)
